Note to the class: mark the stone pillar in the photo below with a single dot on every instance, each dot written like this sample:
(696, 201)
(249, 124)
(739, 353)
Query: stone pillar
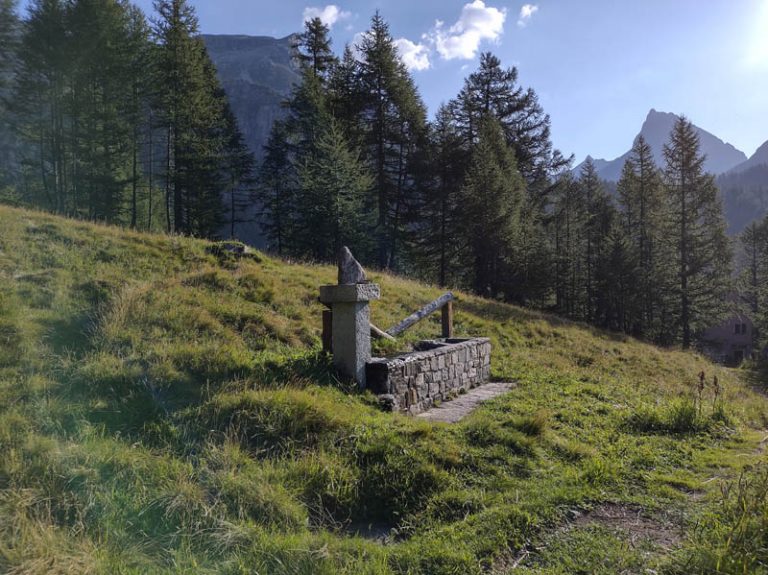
(351, 338)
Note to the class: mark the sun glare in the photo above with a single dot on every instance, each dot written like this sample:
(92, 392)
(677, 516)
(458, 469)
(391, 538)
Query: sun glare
(757, 55)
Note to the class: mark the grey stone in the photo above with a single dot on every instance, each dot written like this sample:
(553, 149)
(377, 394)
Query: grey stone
(350, 270)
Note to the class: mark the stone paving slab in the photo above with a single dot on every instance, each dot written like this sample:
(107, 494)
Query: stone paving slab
(457, 409)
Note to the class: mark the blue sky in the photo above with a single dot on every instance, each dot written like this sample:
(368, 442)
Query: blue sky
(597, 65)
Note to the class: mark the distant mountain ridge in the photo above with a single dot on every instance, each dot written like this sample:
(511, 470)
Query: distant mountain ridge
(759, 158)
(656, 128)
(745, 191)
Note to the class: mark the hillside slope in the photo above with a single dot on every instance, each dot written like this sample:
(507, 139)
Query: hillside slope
(164, 409)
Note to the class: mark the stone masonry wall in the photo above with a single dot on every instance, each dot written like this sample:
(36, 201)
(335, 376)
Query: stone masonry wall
(413, 382)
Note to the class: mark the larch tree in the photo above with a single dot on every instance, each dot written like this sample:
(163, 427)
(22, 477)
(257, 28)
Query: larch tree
(333, 183)
(494, 90)
(392, 125)
(643, 210)
(191, 110)
(567, 225)
(440, 209)
(598, 219)
(491, 199)
(697, 234)
(275, 190)
(9, 37)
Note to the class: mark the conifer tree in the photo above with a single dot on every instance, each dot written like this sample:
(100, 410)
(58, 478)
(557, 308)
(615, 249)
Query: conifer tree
(333, 187)
(440, 212)
(313, 49)
(567, 224)
(697, 233)
(392, 125)
(754, 276)
(643, 208)
(491, 198)
(191, 111)
(239, 166)
(494, 90)
(9, 36)
(40, 100)
(276, 190)
(598, 219)
(75, 100)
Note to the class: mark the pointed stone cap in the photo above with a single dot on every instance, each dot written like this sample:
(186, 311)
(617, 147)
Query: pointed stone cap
(350, 270)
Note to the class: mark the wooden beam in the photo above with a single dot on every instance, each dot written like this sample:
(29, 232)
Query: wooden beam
(421, 314)
(447, 320)
(380, 334)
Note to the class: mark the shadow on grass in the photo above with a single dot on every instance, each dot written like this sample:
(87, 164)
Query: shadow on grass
(69, 335)
(313, 367)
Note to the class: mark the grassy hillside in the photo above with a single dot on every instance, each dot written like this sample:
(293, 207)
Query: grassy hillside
(164, 409)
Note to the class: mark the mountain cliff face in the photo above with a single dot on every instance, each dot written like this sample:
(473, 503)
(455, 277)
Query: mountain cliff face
(721, 156)
(257, 73)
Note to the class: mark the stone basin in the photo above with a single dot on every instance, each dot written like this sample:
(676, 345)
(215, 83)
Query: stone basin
(437, 370)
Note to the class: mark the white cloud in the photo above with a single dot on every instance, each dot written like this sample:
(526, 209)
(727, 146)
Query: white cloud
(526, 13)
(329, 14)
(477, 22)
(414, 56)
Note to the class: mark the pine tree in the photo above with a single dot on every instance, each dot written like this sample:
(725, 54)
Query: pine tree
(107, 38)
(567, 230)
(617, 276)
(598, 219)
(440, 210)
(491, 199)
(293, 146)
(697, 232)
(39, 101)
(752, 241)
(240, 166)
